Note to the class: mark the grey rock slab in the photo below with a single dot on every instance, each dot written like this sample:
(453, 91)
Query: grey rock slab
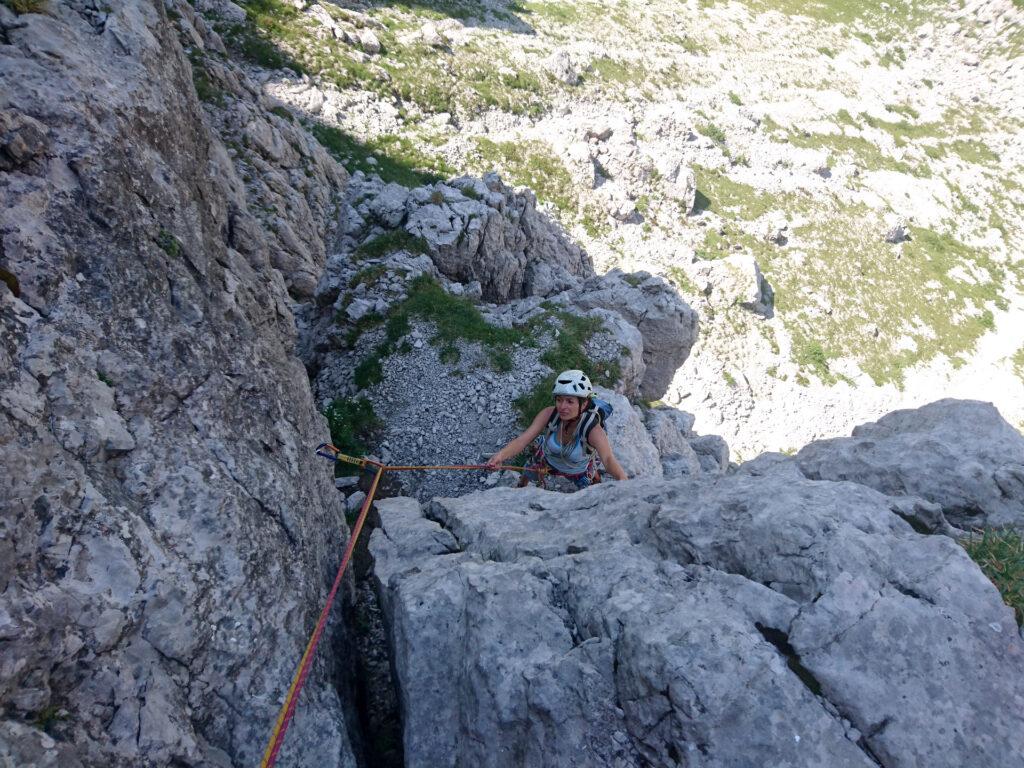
(166, 532)
(734, 620)
(629, 439)
(668, 325)
(959, 454)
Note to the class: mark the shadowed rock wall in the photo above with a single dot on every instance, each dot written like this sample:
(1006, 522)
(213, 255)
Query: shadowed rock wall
(166, 536)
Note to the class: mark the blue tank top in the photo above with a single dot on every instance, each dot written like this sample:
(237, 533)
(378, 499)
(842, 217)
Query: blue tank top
(572, 459)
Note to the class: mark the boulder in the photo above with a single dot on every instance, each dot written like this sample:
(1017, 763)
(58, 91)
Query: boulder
(22, 139)
(748, 620)
(630, 441)
(712, 452)
(959, 454)
(560, 65)
(369, 42)
(680, 181)
(733, 280)
(670, 429)
(499, 239)
(666, 322)
(897, 229)
(622, 342)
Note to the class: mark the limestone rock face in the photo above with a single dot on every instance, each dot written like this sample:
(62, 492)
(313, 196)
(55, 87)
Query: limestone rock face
(668, 325)
(476, 230)
(959, 454)
(735, 279)
(629, 439)
(166, 535)
(735, 620)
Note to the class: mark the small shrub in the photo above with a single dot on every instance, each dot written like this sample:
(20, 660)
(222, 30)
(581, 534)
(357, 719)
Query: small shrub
(352, 423)
(826, 51)
(390, 242)
(49, 717)
(283, 113)
(1000, 554)
(682, 280)
(168, 243)
(729, 378)
(812, 355)
(713, 132)
(437, 197)
(26, 6)
(502, 361)
(368, 276)
(735, 99)
(11, 281)
(370, 371)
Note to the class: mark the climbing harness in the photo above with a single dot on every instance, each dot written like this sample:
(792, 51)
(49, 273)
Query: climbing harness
(328, 451)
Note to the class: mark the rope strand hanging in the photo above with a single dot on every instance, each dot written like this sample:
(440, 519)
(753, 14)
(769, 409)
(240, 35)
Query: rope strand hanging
(328, 451)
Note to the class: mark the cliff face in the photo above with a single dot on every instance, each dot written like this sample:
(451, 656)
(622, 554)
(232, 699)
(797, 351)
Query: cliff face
(166, 537)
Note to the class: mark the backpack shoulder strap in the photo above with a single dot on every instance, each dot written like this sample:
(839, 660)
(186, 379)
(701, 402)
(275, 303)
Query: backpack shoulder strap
(588, 421)
(552, 423)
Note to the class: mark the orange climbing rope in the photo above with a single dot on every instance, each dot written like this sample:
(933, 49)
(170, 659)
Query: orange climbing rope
(328, 451)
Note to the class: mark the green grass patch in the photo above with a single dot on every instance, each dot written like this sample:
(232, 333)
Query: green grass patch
(720, 194)
(369, 275)
(26, 6)
(865, 153)
(903, 109)
(269, 26)
(559, 13)
(454, 318)
(624, 73)
(810, 354)
(391, 242)
(206, 89)
(974, 151)
(284, 113)
(353, 423)
(168, 243)
(712, 131)
(563, 353)
(393, 158)
(1000, 555)
(533, 164)
(889, 309)
(682, 281)
(1018, 363)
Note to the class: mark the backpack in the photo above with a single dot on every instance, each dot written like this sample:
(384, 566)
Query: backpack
(596, 413)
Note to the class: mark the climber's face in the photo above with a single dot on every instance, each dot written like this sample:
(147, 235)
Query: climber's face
(568, 407)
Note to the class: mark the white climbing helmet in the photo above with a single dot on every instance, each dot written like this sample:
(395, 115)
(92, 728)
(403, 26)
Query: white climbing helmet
(574, 383)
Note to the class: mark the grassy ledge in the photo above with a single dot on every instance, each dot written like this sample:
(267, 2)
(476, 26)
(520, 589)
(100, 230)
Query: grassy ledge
(1000, 554)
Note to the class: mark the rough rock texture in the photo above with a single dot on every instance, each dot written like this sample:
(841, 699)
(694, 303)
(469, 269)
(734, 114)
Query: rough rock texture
(166, 533)
(666, 322)
(474, 230)
(742, 620)
(733, 280)
(629, 438)
(959, 454)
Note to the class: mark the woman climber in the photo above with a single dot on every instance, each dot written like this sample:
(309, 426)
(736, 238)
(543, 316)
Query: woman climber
(573, 433)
